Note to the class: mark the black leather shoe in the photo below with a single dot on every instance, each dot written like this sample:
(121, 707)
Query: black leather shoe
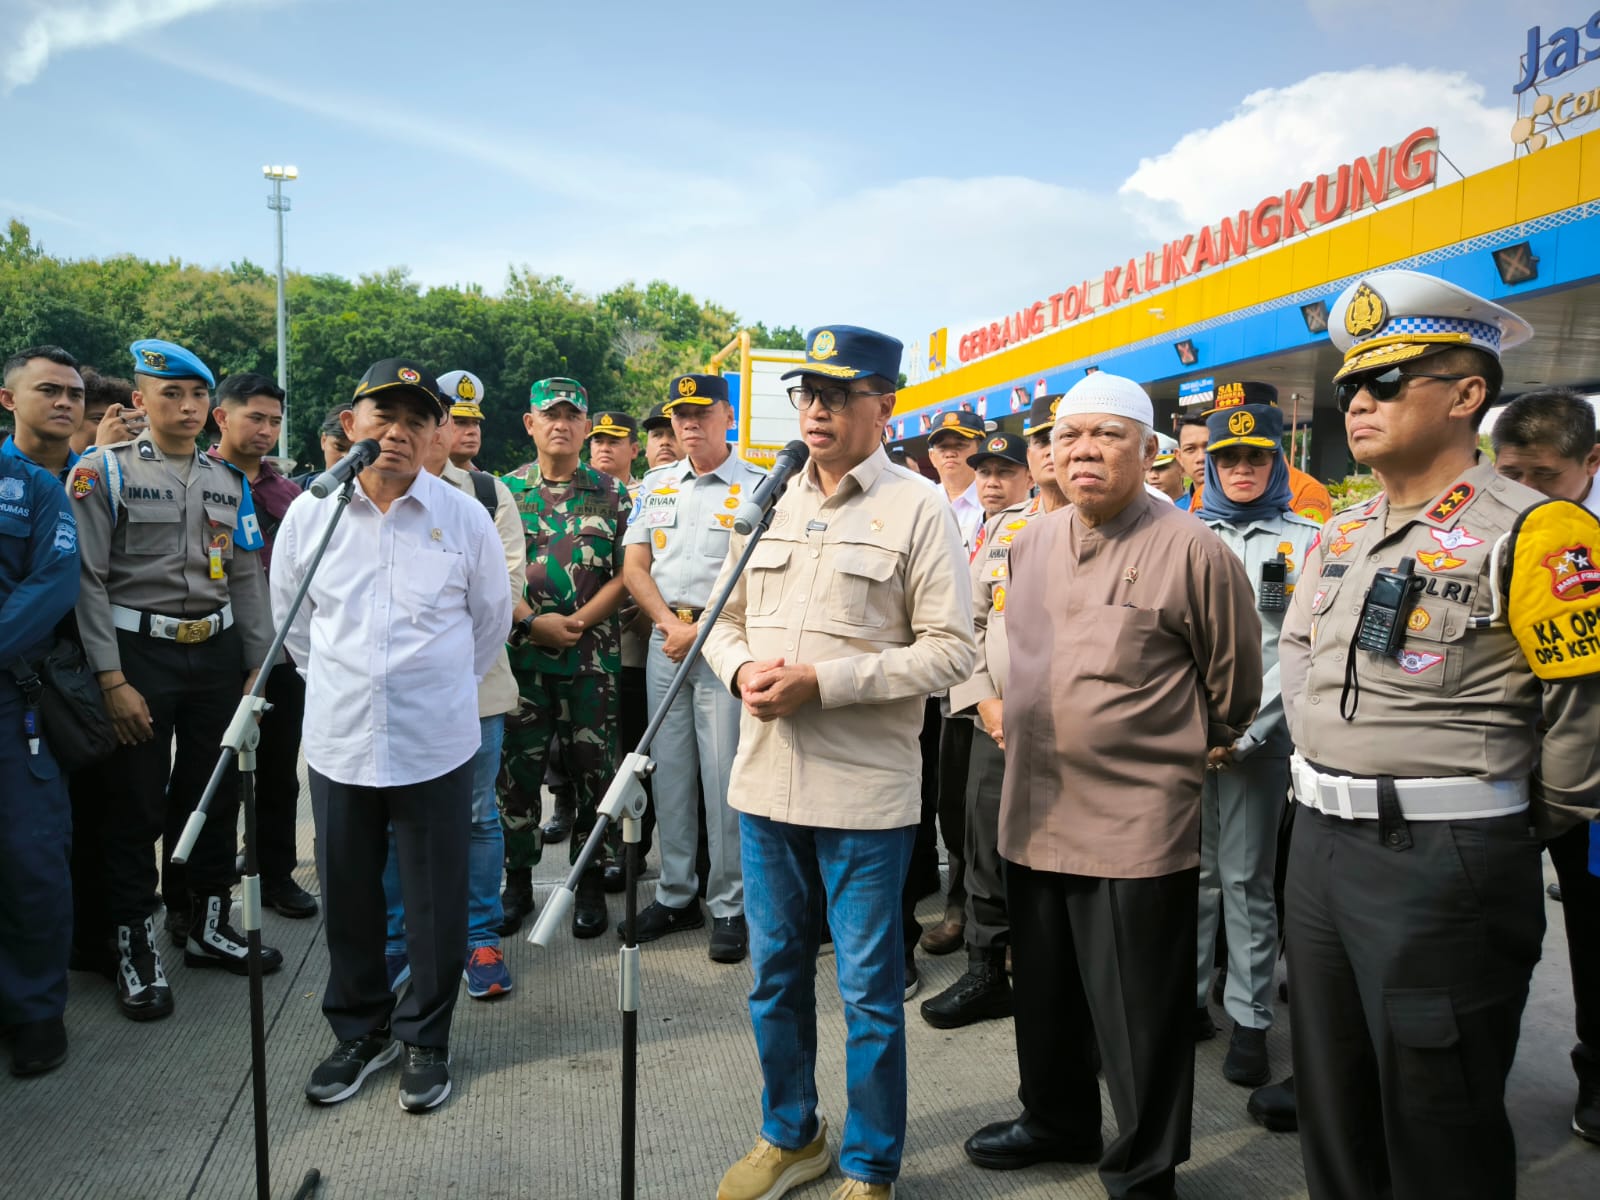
(516, 902)
(1273, 1106)
(589, 915)
(612, 877)
(559, 825)
(982, 994)
(1586, 1112)
(1246, 1063)
(730, 939)
(287, 898)
(39, 1046)
(658, 920)
(1008, 1146)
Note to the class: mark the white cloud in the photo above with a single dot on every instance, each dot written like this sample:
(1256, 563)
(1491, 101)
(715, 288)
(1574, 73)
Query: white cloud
(39, 30)
(1278, 136)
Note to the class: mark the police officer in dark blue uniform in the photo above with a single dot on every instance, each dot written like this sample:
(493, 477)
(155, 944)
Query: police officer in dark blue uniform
(38, 587)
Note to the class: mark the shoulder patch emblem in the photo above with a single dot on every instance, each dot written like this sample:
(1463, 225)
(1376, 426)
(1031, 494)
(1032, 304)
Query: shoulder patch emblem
(83, 483)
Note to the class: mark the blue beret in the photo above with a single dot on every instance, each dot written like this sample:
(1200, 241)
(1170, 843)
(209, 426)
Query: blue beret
(168, 360)
(850, 352)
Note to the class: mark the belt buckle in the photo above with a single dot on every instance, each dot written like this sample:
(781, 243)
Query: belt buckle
(192, 633)
(686, 615)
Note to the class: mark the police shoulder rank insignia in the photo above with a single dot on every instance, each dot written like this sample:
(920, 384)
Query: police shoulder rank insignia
(1453, 500)
(1365, 313)
(1553, 603)
(83, 483)
(823, 346)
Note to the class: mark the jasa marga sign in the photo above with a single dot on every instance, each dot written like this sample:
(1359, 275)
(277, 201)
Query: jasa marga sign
(1545, 60)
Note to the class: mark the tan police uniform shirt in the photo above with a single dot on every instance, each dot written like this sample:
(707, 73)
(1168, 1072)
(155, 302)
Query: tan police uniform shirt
(153, 553)
(991, 578)
(1135, 647)
(497, 691)
(1456, 700)
(867, 586)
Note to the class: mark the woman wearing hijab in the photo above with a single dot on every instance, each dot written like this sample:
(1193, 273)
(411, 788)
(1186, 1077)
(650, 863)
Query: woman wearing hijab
(1247, 502)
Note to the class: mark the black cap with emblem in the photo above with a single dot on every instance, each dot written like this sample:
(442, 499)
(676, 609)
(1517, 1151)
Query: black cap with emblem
(401, 377)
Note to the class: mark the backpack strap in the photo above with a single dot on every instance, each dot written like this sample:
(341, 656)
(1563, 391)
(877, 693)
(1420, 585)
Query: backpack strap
(483, 489)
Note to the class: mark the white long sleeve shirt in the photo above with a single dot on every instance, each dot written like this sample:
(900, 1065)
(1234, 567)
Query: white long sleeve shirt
(408, 611)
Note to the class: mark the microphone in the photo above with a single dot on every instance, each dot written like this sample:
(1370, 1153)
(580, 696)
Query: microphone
(790, 459)
(362, 455)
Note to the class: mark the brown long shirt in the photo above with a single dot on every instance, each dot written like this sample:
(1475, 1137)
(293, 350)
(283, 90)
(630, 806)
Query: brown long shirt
(869, 586)
(1457, 698)
(1135, 647)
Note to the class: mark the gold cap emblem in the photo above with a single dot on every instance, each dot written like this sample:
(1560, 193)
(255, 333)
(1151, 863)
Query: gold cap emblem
(1241, 423)
(1366, 312)
(154, 359)
(687, 386)
(822, 346)
(464, 388)
(408, 375)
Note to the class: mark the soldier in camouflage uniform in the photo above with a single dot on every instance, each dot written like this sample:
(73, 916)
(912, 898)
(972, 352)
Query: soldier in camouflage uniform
(566, 642)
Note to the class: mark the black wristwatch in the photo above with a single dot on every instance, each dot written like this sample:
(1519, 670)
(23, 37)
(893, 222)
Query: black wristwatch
(521, 631)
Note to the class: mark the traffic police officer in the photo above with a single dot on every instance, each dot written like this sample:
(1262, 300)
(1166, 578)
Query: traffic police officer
(174, 620)
(984, 991)
(565, 644)
(1415, 905)
(38, 585)
(677, 540)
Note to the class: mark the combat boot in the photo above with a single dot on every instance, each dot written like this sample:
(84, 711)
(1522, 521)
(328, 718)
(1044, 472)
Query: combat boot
(589, 916)
(516, 902)
(214, 942)
(559, 825)
(142, 991)
(982, 994)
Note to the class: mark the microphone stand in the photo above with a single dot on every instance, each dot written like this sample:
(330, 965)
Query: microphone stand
(625, 801)
(240, 741)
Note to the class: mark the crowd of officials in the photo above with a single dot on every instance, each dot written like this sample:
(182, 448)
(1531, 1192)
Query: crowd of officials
(1170, 715)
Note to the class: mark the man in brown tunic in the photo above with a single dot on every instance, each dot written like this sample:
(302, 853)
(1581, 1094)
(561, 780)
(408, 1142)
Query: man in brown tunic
(1135, 651)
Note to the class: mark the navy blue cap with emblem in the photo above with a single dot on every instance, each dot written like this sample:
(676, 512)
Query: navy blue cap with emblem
(1259, 425)
(959, 423)
(1041, 417)
(168, 360)
(850, 352)
(695, 389)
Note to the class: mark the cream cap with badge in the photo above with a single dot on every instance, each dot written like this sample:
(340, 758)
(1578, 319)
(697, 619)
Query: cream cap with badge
(1391, 317)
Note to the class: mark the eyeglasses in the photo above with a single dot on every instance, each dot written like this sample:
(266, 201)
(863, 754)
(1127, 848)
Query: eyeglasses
(1383, 387)
(1232, 456)
(833, 398)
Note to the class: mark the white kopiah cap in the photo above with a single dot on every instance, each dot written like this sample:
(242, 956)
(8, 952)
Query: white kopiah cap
(1110, 394)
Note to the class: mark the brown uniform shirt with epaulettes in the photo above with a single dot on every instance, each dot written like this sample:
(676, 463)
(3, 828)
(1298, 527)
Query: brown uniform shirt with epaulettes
(1457, 699)
(153, 553)
(991, 576)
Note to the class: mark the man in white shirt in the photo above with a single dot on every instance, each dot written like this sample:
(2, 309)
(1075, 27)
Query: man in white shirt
(951, 445)
(408, 612)
(1546, 440)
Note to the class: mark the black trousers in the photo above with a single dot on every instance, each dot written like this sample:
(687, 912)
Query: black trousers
(987, 923)
(1410, 972)
(1580, 909)
(955, 755)
(93, 792)
(432, 823)
(1117, 954)
(277, 779)
(192, 692)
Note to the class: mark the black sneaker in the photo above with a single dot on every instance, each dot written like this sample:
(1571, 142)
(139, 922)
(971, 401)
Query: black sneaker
(142, 991)
(213, 942)
(287, 898)
(982, 994)
(1246, 1063)
(341, 1074)
(730, 939)
(658, 920)
(425, 1078)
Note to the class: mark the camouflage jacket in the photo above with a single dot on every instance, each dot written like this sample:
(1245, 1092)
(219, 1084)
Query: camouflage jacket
(574, 533)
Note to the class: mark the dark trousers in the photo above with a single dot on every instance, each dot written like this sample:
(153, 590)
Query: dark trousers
(923, 875)
(955, 754)
(93, 792)
(277, 780)
(1410, 972)
(1580, 909)
(1117, 954)
(987, 923)
(35, 878)
(633, 714)
(432, 823)
(192, 692)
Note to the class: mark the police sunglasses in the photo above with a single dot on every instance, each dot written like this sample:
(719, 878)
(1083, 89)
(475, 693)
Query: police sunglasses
(1382, 386)
(833, 399)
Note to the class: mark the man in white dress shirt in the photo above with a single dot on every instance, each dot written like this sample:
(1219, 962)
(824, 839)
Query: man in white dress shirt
(407, 613)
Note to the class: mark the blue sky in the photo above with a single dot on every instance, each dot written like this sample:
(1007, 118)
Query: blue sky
(899, 165)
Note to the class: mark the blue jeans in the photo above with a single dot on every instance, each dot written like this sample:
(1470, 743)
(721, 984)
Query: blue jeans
(485, 852)
(796, 879)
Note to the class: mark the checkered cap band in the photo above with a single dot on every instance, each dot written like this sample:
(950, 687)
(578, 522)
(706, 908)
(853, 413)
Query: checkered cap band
(1482, 333)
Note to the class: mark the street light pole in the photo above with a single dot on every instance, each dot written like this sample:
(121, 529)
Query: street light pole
(279, 203)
